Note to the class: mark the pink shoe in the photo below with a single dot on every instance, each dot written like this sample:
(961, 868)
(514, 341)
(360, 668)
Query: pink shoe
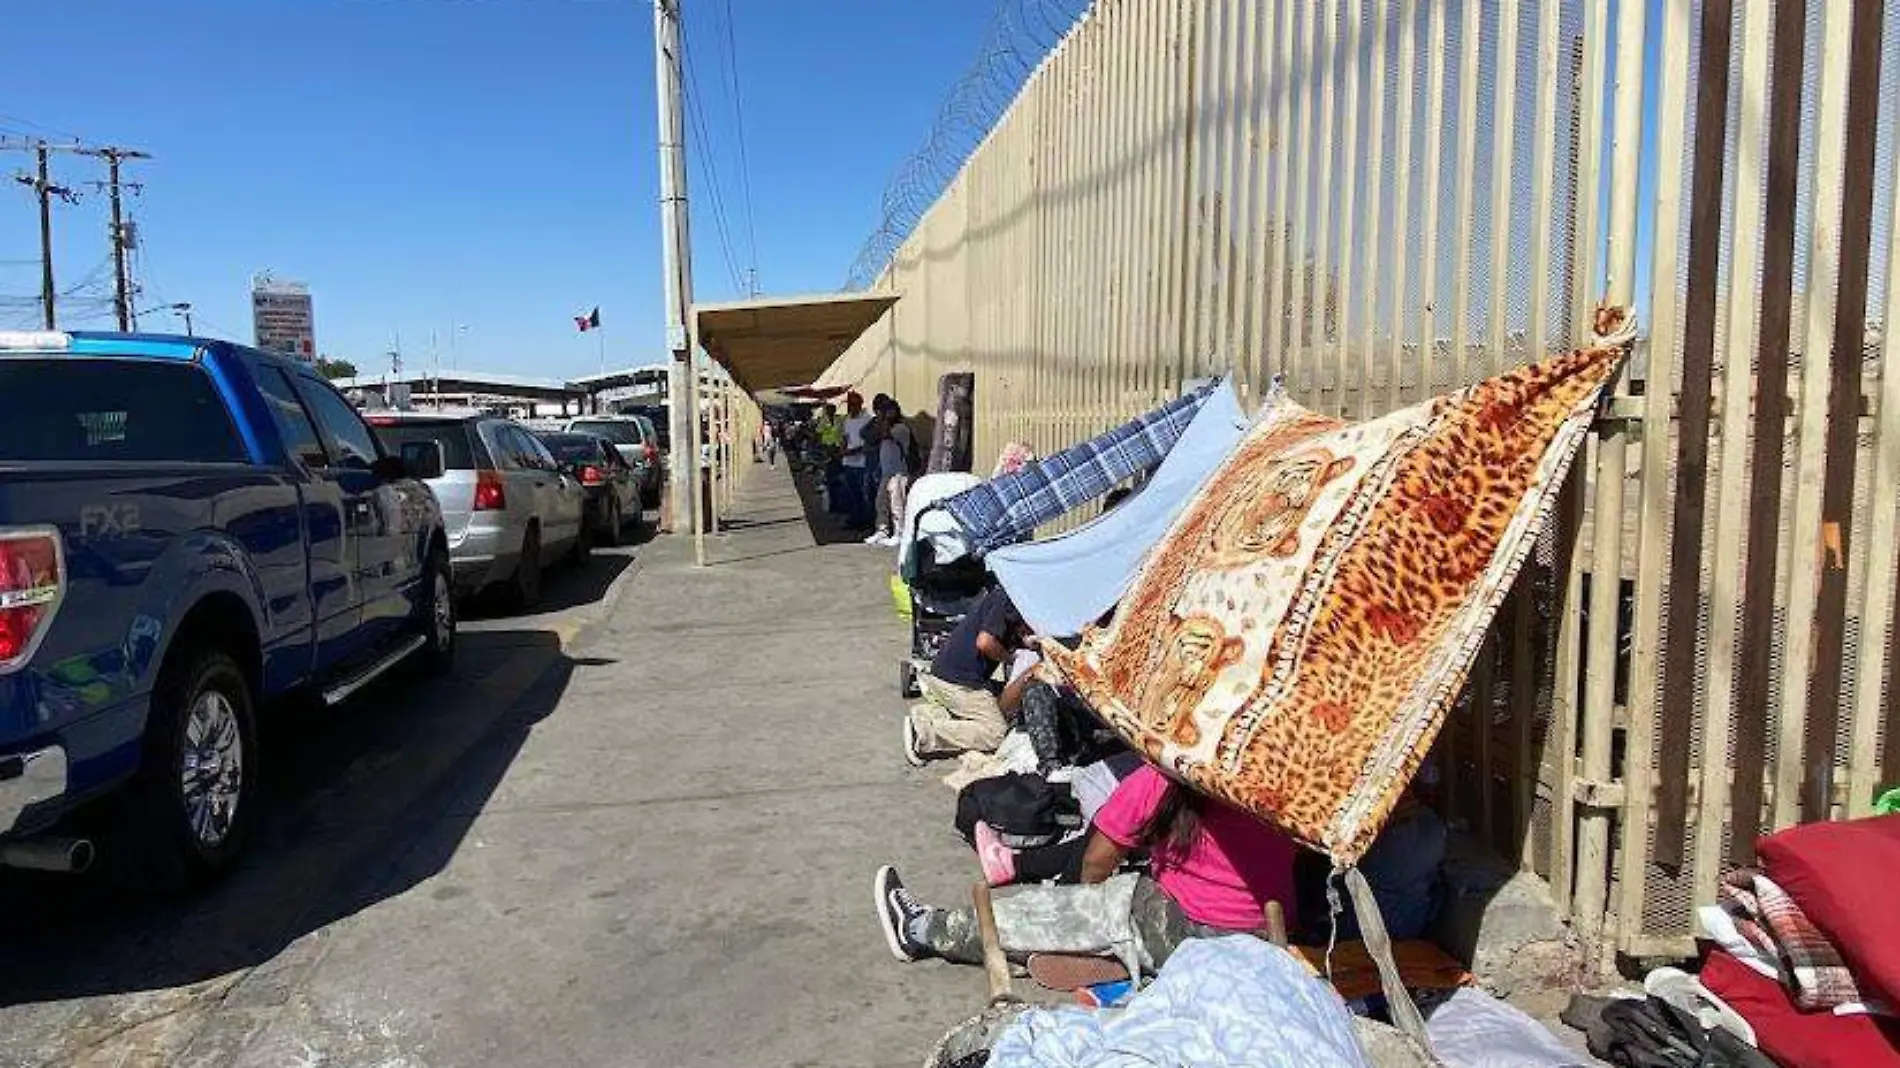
(998, 860)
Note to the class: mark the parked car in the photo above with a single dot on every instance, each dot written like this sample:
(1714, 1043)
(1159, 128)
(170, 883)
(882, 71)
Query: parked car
(637, 441)
(190, 530)
(613, 488)
(508, 508)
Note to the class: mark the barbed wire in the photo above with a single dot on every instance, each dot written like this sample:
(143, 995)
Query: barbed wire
(1019, 35)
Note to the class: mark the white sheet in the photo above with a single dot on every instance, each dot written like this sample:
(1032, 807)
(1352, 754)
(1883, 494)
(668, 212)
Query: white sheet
(1062, 584)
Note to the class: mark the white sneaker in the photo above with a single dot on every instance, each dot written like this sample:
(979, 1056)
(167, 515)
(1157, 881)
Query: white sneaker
(877, 538)
(911, 755)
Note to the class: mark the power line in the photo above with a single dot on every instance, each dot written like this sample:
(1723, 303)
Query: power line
(745, 166)
(709, 167)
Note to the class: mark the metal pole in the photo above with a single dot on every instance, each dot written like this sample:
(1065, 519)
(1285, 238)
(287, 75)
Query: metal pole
(122, 283)
(676, 256)
(695, 479)
(45, 190)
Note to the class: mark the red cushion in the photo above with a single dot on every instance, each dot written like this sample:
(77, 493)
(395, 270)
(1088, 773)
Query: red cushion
(1841, 874)
(1797, 1039)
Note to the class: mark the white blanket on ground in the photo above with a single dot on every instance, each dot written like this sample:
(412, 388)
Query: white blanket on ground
(1218, 1003)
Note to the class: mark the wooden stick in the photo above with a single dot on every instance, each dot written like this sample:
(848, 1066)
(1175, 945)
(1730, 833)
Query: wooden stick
(1276, 924)
(995, 965)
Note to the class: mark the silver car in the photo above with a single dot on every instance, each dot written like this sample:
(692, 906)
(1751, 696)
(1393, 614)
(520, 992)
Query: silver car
(637, 442)
(507, 507)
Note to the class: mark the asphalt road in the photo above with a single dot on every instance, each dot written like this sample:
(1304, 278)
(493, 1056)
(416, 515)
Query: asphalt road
(636, 829)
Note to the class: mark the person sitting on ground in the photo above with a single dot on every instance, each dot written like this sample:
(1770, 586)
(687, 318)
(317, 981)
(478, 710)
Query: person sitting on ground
(1212, 871)
(959, 713)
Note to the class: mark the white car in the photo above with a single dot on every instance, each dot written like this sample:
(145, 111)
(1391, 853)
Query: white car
(507, 507)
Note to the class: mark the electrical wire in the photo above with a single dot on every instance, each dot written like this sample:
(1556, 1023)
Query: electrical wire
(745, 165)
(708, 165)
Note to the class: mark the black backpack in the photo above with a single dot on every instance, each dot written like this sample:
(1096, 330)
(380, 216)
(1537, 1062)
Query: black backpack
(1018, 804)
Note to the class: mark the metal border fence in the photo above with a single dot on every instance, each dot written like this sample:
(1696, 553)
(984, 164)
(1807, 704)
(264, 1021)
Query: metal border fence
(1383, 199)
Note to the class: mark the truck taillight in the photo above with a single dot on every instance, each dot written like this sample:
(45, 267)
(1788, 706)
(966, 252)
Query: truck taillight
(590, 476)
(652, 452)
(32, 584)
(488, 492)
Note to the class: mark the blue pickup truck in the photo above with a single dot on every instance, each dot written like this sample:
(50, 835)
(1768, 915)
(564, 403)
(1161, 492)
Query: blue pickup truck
(190, 531)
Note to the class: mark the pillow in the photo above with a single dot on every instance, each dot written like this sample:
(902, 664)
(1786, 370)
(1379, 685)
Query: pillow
(1291, 644)
(1800, 1039)
(1837, 873)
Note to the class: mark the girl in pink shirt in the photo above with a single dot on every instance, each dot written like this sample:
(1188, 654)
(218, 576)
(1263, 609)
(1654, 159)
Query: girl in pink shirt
(1212, 870)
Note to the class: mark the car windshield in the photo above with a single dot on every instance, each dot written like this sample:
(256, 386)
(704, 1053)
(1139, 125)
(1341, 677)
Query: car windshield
(620, 432)
(573, 448)
(452, 436)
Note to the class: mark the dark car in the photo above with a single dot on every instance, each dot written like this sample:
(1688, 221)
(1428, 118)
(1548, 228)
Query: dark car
(611, 484)
(638, 442)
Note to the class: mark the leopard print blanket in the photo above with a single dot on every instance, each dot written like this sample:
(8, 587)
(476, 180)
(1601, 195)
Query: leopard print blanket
(1292, 644)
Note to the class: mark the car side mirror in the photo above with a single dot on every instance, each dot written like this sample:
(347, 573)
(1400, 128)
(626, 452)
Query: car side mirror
(420, 460)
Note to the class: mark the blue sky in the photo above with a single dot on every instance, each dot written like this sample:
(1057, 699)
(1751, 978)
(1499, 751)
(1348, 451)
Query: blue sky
(423, 163)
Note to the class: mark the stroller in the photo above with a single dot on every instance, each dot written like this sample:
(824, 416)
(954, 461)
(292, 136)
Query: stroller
(943, 579)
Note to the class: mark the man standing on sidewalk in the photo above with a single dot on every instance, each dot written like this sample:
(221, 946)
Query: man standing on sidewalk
(856, 461)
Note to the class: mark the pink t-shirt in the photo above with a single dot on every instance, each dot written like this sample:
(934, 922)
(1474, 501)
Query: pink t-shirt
(1226, 878)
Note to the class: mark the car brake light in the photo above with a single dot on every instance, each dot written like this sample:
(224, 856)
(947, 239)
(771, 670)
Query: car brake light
(488, 492)
(380, 420)
(32, 585)
(590, 476)
(652, 452)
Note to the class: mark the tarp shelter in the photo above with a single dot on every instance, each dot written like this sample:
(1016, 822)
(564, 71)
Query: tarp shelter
(773, 342)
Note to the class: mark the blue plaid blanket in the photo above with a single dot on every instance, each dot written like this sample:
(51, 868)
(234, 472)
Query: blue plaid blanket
(1006, 510)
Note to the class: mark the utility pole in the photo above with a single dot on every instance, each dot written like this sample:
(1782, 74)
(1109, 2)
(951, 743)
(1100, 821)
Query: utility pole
(41, 182)
(121, 271)
(676, 254)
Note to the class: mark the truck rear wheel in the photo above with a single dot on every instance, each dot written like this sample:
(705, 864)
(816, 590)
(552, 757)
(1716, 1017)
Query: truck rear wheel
(190, 806)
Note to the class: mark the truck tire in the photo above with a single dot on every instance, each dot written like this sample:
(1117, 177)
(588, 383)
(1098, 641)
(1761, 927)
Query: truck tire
(525, 589)
(189, 808)
(437, 612)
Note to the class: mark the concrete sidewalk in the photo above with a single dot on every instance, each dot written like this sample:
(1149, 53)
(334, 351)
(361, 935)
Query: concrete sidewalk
(675, 866)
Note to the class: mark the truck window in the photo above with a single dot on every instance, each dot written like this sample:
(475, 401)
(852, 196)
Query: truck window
(293, 422)
(107, 409)
(344, 432)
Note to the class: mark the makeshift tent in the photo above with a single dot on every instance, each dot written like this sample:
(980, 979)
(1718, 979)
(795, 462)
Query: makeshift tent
(1292, 644)
(1064, 583)
(1008, 509)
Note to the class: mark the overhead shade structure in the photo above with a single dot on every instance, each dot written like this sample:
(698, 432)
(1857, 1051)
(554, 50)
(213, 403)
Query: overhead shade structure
(772, 342)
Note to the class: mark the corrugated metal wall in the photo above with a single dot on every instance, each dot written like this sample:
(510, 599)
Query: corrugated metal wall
(1381, 199)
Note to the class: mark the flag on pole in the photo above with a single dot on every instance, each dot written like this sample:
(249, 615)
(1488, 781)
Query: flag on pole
(590, 321)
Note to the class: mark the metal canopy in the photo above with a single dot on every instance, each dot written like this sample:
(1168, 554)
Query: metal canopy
(786, 341)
